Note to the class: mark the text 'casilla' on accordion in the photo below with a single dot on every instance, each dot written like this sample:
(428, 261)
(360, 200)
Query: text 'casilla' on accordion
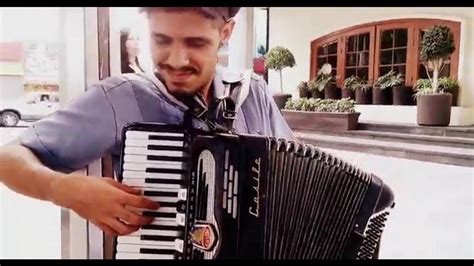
(246, 196)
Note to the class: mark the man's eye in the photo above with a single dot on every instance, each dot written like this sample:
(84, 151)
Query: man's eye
(161, 42)
(197, 43)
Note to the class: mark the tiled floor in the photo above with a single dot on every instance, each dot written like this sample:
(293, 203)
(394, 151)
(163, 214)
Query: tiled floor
(433, 216)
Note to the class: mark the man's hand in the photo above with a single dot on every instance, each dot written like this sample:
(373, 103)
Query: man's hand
(103, 201)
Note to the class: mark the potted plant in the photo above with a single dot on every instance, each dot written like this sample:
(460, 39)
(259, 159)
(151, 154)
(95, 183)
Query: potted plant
(277, 59)
(259, 61)
(363, 91)
(327, 82)
(349, 87)
(450, 85)
(382, 90)
(401, 94)
(303, 89)
(321, 114)
(434, 103)
(315, 89)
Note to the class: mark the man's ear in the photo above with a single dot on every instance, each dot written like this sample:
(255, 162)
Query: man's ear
(227, 30)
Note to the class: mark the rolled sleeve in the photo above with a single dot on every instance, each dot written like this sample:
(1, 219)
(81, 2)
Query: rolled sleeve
(76, 135)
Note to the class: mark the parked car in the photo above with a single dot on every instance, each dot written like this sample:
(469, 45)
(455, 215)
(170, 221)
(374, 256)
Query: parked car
(31, 107)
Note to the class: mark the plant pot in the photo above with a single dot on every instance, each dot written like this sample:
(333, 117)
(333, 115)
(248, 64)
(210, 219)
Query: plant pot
(434, 109)
(306, 94)
(321, 121)
(382, 97)
(402, 95)
(259, 65)
(363, 97)
(347, 93)
(317, 94)
(281, 99)
(455, 93)
(332, 92)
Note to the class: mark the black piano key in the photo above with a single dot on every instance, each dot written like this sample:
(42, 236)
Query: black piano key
(158, 128)
(159, 214)
(157, 251)
(168, 204)
(162, 227)
(165, 181)
(165, 171)
(160, 193)
(166, 158)
(158, 238)
(165, 148)
(158, 137)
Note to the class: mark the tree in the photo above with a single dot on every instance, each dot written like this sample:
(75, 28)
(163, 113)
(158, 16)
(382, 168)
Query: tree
(279, 58)
(437, 46)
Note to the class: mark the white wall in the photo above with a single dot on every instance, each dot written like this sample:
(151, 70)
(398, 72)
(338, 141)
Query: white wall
(295, 28)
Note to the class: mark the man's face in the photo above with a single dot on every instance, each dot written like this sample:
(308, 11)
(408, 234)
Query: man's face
(184, 47)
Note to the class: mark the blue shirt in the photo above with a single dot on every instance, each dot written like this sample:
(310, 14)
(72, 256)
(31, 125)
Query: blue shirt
(90, 126)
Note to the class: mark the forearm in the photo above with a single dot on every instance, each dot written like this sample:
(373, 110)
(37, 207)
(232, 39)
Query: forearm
(22, 171)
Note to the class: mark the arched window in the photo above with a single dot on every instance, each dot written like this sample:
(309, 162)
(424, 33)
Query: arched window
(372, 49)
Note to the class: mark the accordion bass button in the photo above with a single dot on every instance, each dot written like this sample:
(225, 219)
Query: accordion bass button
(181, 206)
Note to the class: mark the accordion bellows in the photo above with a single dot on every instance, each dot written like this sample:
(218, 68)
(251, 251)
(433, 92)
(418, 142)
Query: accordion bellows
(247, 196)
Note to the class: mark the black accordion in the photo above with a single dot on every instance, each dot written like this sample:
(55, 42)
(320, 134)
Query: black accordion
(247, 196)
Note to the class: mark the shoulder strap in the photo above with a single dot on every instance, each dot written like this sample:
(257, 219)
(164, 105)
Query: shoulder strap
(241, 94)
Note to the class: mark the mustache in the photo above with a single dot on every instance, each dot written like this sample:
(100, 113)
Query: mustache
(191, 69)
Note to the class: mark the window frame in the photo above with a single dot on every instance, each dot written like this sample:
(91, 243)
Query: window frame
(413, 26)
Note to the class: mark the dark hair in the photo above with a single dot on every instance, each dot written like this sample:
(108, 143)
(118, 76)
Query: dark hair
(225, 13)
(125, 64)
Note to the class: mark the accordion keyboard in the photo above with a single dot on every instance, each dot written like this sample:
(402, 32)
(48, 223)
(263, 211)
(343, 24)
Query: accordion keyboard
(155, 162)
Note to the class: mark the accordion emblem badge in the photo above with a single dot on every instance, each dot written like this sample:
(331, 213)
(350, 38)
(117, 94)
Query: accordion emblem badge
(204, 236)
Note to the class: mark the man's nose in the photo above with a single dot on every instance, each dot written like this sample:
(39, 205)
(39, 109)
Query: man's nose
(178, 57)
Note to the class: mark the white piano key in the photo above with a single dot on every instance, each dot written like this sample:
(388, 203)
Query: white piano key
(156, 232)
(132, 248)
(141, 183)
(131, 239)
(145, 134)
(135, 158)
(162, 199)
(143, 175)
(145, 143)
(136, 256)
(165, 221)
(145, 151)
(167, 209)
(144, 166)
